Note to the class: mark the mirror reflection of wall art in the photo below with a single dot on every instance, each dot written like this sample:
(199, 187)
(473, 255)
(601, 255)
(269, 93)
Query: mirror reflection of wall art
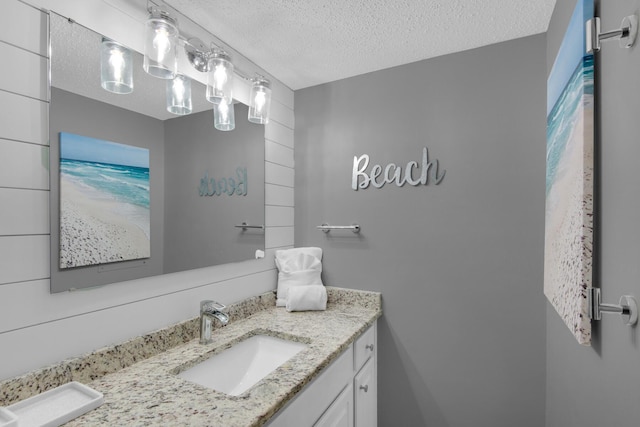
(569, 178)
(104, 201)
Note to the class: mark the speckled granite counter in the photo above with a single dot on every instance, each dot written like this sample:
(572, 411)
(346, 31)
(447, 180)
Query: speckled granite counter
(148, 392)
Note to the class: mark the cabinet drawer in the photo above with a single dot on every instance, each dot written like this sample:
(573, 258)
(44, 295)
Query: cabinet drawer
(364, 347)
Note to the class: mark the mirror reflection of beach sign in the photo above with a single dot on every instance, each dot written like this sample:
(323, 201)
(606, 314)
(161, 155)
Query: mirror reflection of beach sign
(569, 184)
(104, 201)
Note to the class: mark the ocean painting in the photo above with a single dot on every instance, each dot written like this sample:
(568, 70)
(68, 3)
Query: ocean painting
(569, 178)
(104, 202)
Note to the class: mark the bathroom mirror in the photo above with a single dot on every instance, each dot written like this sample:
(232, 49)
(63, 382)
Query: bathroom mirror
(201, 183)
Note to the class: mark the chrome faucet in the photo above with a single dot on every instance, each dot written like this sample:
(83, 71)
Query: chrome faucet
(208, 311)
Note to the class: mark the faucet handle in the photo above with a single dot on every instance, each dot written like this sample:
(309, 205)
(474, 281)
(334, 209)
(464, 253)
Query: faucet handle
(208, 304)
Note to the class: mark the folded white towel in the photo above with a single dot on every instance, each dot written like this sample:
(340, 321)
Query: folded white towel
(297, 267)
(297, 259)
(283, 255)
(307, 298)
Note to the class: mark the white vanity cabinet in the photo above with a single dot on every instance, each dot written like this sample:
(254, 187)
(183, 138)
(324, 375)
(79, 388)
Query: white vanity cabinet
(343, 395)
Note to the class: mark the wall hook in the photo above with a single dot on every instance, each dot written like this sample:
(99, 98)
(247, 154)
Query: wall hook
(627, 308)
(626, 34)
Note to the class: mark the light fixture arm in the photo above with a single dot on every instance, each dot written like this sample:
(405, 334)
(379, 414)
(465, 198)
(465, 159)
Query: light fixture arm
(197, 54)
(626, 33)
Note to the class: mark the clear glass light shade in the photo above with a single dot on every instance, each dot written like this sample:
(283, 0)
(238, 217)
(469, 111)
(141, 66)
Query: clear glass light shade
(160, 42)
(260, 101)
(224, 116)
(179, 95)
(116, 67)
(220, 78)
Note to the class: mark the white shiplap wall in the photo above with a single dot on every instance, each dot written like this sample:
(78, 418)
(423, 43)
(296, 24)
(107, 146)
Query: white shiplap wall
(38, 328)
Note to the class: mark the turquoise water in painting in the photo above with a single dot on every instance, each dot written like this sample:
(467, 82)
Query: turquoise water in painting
(125, 184)
(564, 115)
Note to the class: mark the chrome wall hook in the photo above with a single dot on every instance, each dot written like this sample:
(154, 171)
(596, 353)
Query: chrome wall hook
(626, 34)
(627, 308)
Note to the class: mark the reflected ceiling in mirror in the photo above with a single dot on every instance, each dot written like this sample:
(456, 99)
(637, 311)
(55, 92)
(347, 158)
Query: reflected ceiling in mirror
(192, 166)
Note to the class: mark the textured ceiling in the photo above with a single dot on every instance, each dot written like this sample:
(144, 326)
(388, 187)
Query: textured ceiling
(309, 42)
(304, 43)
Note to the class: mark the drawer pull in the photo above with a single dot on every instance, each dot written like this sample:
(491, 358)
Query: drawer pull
(365, 388)
(369, 347)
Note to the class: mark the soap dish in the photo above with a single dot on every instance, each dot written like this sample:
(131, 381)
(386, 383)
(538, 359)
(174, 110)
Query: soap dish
(8, 418)
(57, 406)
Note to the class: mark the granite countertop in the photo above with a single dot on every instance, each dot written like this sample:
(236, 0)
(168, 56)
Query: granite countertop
(149, 392)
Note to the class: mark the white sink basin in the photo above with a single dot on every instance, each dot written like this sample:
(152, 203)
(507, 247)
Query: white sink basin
(238, 368)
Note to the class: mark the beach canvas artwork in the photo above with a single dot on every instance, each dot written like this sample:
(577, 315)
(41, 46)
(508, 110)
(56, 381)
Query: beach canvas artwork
(569, 178)
(104, 202)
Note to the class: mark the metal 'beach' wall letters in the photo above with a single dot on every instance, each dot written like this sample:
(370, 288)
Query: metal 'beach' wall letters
(212, 187)
(393, 173)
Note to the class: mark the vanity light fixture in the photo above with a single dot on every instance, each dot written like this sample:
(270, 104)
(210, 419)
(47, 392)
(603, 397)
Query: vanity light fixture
(219, 77)
(160, 41)
(197, 54)
(116, 69)
(179, 95)
(224, 116)
(626, 34)
(260, 101)
(160, 60)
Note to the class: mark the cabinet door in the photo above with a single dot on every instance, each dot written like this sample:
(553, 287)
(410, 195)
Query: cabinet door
(340, 413)
(366, 399)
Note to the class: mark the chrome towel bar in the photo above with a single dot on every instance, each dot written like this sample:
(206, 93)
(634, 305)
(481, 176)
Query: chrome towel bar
(245, 226)
(326, 227)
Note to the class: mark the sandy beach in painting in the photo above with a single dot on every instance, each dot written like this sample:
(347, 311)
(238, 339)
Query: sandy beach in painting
(96, 230)
(569, 228)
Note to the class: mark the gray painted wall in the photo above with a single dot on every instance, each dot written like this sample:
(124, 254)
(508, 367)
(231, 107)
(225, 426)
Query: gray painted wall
(460, 264)
(204, 234)
(598, 385)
